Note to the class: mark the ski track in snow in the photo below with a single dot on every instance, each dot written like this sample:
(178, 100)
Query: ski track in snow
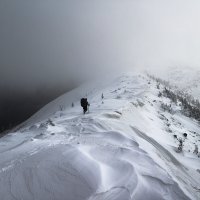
(97, 156)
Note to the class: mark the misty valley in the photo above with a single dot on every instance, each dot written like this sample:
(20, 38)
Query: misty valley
(16, 106)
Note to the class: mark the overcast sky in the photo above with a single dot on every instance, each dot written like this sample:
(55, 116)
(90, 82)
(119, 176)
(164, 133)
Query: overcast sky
(53, 42)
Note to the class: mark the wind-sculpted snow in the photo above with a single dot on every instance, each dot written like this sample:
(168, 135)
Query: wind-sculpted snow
(100, 166)
(98, 156)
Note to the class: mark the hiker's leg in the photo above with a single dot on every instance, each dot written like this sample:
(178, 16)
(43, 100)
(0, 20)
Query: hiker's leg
(84, 110)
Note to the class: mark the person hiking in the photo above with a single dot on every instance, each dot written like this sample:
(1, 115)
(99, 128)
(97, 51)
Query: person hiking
(84, 104)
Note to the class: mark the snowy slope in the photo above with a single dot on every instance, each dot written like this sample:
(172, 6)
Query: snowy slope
(122, 149)
(186, 79)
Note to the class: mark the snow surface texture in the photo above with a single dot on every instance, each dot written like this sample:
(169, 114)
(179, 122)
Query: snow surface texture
(121, 150)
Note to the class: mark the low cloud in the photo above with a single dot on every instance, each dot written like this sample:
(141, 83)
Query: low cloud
(58, 44)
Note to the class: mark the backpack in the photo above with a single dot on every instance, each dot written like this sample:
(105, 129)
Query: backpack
(83, 102)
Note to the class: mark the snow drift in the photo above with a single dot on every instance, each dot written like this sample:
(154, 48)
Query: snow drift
(122, 149)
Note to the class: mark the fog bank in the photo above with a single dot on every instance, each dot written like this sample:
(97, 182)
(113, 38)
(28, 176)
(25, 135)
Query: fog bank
(58, 44)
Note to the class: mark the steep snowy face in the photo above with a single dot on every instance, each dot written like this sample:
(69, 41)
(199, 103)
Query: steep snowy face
(185, 78)
(123, 148)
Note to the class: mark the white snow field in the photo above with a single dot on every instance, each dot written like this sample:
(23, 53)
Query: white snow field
(122, 149)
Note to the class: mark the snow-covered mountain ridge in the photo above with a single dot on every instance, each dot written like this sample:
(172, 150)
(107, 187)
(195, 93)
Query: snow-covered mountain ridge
(124, 148)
